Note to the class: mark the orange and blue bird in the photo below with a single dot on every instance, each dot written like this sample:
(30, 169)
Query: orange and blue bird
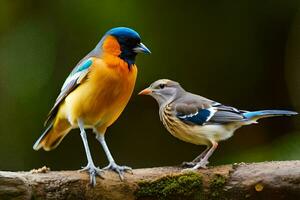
(95, 94)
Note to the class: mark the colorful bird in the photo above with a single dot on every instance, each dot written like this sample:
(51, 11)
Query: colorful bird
(199, 120)
(95, 94)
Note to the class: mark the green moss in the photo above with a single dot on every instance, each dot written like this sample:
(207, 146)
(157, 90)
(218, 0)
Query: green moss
(216, 187)
(179, 187)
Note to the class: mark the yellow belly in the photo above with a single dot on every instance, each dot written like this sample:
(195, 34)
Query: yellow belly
(102, 97)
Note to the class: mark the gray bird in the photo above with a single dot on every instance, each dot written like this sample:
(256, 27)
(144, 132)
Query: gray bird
(199, 120)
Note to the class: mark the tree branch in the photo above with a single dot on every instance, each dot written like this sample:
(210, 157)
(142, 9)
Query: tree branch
(267, 180)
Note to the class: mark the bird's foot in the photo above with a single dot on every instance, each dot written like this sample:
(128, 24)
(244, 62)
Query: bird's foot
(202, 164)
(119, 169)
(188, 164)
(93, 171)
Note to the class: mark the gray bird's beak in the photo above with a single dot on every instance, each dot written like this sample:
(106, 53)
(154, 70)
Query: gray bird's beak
(146, 91)
(141, 48)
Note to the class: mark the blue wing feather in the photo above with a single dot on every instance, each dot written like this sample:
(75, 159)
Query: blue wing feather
(200, 117)
(83, 66)
(77, 72)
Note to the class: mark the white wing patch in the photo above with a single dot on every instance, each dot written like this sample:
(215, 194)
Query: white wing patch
(190, 115)
(212, 111)
(70, 79)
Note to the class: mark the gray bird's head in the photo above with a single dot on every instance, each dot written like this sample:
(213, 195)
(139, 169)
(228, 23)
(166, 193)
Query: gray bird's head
(163, 91)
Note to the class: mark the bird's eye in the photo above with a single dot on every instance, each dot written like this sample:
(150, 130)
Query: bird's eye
(130, 41)
(161, 86)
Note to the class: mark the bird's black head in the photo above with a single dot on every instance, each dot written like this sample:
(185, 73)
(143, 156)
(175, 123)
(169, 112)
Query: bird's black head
(130, 43)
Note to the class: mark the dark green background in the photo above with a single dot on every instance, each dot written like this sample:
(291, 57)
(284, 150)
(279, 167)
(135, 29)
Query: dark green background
(241, 53)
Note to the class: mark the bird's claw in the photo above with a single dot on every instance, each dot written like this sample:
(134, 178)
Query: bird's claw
(202, 164)
(119, 169)
(188, 164)
(93, 172)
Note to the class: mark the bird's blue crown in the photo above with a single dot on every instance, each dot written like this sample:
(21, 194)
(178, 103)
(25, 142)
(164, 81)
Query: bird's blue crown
(128, 39)
(123, 32)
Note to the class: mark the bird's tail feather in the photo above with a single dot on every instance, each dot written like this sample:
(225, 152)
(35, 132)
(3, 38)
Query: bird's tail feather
(50, 139)
(255, 115)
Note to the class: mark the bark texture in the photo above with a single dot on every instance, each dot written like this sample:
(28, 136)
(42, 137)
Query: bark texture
(267, 180)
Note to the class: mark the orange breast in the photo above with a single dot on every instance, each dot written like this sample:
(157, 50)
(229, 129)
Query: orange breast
(102, 97)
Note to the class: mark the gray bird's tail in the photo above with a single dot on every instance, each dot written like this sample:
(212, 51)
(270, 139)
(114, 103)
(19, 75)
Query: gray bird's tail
(255, 115)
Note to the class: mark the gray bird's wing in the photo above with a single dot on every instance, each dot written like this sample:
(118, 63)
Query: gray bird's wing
(194, 109)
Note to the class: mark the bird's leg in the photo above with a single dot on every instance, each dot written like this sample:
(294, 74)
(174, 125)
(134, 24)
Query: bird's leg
(93, 171)
(112, 164)
(196, 160)
(204, 161)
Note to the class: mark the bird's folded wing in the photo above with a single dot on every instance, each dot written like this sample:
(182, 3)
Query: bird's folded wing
(73, 80)
(209, 114)
(194, 113)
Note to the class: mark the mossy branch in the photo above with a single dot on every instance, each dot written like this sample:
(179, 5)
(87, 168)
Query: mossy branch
(267, 180)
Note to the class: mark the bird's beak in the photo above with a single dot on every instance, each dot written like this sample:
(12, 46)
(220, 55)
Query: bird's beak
(146, 91)
(141, 48)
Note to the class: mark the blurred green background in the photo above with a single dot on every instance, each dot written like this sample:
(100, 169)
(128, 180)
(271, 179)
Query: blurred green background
(241, 53)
